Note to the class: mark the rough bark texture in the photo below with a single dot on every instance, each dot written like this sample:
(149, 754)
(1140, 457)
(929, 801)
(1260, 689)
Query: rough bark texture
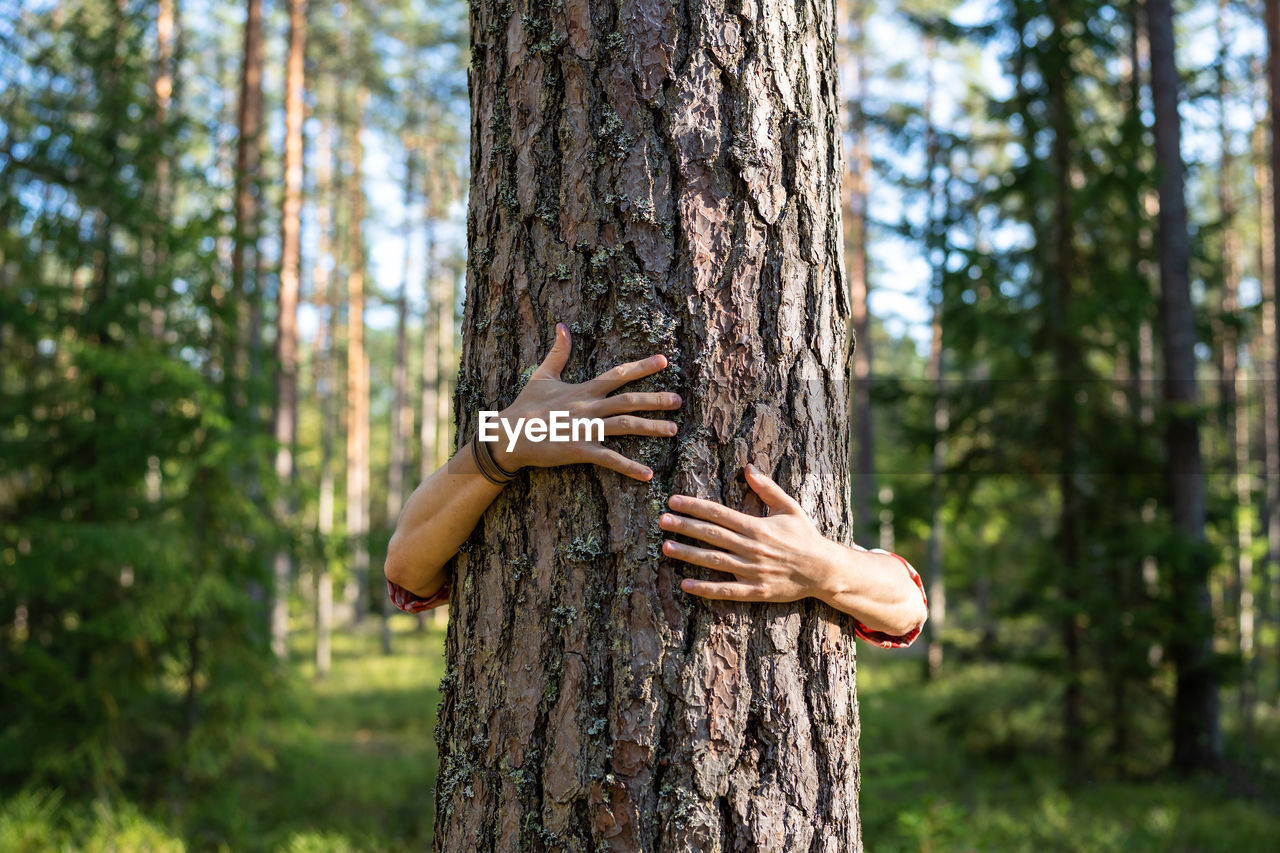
(1197, 738)
(664, 178)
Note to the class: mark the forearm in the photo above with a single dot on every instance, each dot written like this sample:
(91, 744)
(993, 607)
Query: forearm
(875, 589)
(436, 519)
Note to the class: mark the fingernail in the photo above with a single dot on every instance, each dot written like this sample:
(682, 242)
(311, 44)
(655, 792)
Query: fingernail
(674, 500)
(664, 519)
(675, 399)
(671, 429)
(648, 472)
(752, 468)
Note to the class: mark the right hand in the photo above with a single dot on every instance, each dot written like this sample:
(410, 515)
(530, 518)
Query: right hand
(545, 392)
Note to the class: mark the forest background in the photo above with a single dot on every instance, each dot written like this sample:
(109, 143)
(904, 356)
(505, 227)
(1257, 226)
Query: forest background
(232, 259)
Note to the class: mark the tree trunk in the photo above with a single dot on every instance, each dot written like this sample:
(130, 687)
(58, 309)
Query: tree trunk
(430, 379)
(357, 593)
(401, 411)
(673, 186)
(934, 241)
(446, 297)
(1269, 360)
(855, 214)
(162, 87)
(248, 159)
(1197, 739)
(1234, 384)
(1270, 268)
(324, 356)
(1067, 368)
(286, 409)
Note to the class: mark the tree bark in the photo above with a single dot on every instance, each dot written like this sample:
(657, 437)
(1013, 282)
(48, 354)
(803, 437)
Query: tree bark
(662, 184)
(1197, 738)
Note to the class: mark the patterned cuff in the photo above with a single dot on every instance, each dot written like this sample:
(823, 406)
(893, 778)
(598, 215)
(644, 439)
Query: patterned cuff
(892, 641)
(411, 602)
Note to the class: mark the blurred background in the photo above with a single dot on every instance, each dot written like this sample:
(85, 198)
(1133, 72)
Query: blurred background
(232, 252)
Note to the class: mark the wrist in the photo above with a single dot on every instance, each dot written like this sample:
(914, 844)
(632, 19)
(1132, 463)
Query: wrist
(509, 461)
(834, 567)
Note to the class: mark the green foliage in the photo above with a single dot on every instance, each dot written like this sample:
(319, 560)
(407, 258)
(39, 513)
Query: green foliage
(133, 588)
(962, 764)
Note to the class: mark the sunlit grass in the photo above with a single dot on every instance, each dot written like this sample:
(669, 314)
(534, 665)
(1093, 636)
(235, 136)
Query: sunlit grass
(964, 764)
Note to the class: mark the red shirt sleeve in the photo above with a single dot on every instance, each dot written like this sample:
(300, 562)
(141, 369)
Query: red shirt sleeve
(414, 603)
(880, 638)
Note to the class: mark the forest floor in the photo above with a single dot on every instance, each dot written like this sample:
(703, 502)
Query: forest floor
(947, 766)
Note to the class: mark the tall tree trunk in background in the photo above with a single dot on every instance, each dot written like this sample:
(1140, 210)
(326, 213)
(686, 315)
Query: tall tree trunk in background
(324, 356)
(933, 240)
(655, 202)
(162, 87)
(1234, 384)
(1270, 270)
(156, 254)
(248, 160)
(401, 410)
(286, 409)
(1197, 737)
(446, 297)
(435, 400)
(855, 215)
(430, 378)
(357, 593)
(1067, 367)
(1269, 360)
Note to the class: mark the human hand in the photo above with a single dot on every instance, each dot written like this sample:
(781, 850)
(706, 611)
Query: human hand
(780, 557)
(545, 393)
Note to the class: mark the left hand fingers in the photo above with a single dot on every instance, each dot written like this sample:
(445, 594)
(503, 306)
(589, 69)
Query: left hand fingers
(724, 590)
(712, 534)
(738, 522)
(721, 561)
(633, 425)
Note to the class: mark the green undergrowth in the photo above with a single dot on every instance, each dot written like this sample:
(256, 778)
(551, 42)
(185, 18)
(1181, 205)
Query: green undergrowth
(349, 766)
(963, 764)
(969, 763)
